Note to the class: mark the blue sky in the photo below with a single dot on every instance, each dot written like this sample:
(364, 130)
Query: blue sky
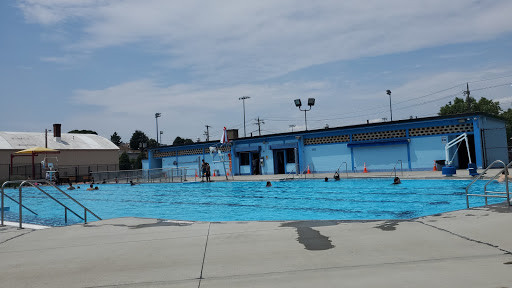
(109, 66)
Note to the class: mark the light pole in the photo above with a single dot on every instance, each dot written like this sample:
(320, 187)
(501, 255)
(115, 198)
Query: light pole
(291, 126)
(311, 102)
(243, 100)
(390, 111)
(46, 137)
(161, 132)
(156, 119)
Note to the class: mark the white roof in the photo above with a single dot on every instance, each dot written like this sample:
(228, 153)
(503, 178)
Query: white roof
(25, 140)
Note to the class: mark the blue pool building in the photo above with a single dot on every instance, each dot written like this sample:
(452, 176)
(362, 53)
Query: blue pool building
(414, 144)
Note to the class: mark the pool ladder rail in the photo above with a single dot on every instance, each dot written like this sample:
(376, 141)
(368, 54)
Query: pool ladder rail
(492, 194)
(38, 187)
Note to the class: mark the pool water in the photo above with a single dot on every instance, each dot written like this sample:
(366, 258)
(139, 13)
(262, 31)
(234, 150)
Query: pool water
(348, 199)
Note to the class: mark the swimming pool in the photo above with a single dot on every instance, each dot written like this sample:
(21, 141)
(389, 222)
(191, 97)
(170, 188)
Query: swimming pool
(348, 199)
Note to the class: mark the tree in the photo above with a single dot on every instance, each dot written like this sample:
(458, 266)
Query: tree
(182, 141)
(461, 106)
(116, 139)
(483, 105)
(137, 164)
(124, 162)
(83, 132)
(508, 124)
(137, 138)
(152, 143)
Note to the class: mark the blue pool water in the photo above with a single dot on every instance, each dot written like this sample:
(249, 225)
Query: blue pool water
(348, 199)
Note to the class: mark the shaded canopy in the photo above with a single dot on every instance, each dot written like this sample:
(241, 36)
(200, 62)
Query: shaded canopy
(35, 150)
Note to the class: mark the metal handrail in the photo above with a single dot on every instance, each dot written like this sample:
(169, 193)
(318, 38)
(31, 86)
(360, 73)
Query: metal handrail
(305, 169)
(481, 175)
(494, 178)
(31, 183)
(394, 169)
(291, 173)
(2, 207)
(346, 168)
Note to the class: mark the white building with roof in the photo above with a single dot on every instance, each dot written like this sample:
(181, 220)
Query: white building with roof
(79, 154)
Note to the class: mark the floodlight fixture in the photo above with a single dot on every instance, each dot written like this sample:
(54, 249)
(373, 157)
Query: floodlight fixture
(298, 103)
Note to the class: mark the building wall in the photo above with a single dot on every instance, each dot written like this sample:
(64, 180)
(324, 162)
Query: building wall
(494, 138)
(327, 157)
(81, 159)
(425, 150)
(414, 144)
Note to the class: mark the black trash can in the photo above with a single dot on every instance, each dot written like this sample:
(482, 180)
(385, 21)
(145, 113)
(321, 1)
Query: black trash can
(440, 164)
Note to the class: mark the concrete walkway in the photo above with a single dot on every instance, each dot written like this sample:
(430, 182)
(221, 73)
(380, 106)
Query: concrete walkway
(467, 248)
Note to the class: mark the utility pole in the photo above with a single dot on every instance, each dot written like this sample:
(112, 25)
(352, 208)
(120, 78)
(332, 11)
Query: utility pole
(467, 97)
(259, 122)
(207, 132)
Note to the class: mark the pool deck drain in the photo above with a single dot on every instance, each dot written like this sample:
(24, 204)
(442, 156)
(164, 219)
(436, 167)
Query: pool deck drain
(465, 248)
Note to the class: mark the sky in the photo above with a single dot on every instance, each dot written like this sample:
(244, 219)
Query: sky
(110, 65)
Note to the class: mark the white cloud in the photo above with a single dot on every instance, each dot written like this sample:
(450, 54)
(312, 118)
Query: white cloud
(129, 102)
(240, 41)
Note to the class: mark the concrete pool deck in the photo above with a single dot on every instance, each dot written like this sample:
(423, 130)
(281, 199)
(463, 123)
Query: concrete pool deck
(465, 248)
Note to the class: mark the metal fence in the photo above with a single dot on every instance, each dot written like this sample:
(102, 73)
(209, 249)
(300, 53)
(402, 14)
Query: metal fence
(73, 173)
(158, 175)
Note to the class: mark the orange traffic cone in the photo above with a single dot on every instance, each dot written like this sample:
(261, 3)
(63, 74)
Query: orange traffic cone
(435, 168)
(309, 172)
(227, 173)
(213, 173)
(365, 170)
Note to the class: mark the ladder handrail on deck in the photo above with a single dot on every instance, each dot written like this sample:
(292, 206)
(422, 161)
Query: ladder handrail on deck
(31, 183)
(346, 168)
(394, 168)
(486, 195)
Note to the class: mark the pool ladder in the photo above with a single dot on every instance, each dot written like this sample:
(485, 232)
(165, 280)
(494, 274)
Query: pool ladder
(492, 194)
(32, 183)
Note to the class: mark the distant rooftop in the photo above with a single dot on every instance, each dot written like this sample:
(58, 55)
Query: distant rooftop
(24, 140)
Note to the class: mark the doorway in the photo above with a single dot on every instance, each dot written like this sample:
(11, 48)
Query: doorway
(462, 153)
(279, 162)
(255, 164)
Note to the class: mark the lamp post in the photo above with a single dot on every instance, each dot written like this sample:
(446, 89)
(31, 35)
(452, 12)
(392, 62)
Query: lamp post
(390, 111)
(161, 132)
(243, 101)
(156, 119)
(311, 102)
(291, 126)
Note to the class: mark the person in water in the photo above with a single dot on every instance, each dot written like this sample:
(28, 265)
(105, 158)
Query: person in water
(71, 186)
(336, 176)
(396, 181)
(91, 187)
(326, 179)
(269, 184)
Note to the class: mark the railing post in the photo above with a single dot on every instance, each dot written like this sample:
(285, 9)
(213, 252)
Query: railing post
(65, 215)
(85, 215)
(2, 205)
(20, 220)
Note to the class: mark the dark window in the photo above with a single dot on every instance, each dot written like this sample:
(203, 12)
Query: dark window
(244, 159)
(290, 155)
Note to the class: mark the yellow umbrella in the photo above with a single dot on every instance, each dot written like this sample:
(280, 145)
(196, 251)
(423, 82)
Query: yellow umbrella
(33, 152)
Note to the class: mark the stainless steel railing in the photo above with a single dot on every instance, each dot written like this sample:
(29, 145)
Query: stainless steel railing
(38, 187)
(492, 194)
